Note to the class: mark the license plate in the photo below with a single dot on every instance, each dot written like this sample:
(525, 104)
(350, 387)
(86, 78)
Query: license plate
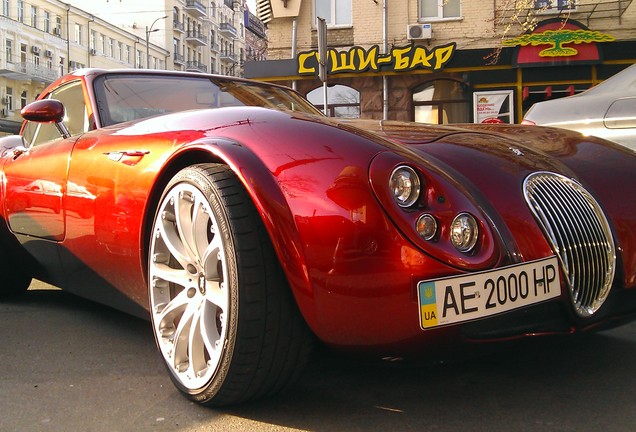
(478, 295)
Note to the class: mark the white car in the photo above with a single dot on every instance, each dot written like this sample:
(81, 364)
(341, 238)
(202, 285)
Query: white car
(607, 110)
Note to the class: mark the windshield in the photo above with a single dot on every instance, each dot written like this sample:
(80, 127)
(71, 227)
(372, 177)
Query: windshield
(125, 97)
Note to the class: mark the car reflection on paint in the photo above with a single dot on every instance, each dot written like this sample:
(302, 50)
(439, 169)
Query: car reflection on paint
(41, 195)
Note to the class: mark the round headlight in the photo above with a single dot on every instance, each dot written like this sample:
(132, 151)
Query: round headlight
(464, 232)
(405, 186)
(426, 226)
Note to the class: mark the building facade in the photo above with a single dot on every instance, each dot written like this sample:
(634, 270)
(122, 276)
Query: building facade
(211, 36)
(42, 40)
(444, 61)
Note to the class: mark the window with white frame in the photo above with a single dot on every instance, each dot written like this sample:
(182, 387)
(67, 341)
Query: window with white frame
(440, 9)
(5, 8)
(342, 101)
(9, 95)
(8, 50)
(335, 12)
(47, 22)
(34, 16)
(78, 34)
(20, 11)
(23, 99)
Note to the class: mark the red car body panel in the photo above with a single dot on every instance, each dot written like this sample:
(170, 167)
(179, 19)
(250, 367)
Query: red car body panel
(350, 254)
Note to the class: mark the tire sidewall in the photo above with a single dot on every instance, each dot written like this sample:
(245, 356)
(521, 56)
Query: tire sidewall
(196, 177)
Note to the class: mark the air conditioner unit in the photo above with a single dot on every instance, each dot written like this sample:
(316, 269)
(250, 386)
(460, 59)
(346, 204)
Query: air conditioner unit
(35, 50)
(48, 53)
(93, 51)
(419, 31)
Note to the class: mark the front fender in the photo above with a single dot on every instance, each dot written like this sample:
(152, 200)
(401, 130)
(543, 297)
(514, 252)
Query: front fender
(271, 204)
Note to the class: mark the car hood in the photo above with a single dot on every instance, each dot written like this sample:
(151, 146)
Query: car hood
(490, 163)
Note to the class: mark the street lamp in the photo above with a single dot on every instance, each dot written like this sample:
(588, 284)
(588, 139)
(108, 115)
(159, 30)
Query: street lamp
(148, 31)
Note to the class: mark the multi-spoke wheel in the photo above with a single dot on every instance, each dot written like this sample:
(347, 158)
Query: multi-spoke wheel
(222, 314)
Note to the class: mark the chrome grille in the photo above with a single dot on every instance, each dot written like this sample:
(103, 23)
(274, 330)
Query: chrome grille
(579, 234)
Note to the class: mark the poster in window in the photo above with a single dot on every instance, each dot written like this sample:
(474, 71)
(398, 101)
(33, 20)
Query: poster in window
(493, 106)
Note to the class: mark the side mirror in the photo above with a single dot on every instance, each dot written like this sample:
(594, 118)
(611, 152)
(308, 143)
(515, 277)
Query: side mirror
(47, 111)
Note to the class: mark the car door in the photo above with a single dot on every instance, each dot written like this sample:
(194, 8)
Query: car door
(36, 176)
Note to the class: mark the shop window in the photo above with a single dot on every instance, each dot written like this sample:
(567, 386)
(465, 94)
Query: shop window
(334, 12)
(441, 101)
(533, 94)
(342, 101)
(440, 9)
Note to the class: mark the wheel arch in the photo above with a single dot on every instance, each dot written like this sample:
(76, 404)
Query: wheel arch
(266, 195)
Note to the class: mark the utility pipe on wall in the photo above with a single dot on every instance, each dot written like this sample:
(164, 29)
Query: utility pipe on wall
(293, 42)
(385, 47)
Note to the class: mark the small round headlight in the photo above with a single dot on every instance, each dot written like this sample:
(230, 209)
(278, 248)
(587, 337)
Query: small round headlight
(405, 186)
(464, 232)
(426, 226)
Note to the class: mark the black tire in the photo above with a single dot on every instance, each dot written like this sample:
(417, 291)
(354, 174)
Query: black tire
(15, 280)
(222, 312)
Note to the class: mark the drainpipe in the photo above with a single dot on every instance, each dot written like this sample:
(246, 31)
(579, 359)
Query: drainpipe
(385, 43)
(88, 40)
(293, 42)
(68, 38)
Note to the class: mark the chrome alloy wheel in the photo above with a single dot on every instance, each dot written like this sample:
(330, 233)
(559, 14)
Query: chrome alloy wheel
(189, 299)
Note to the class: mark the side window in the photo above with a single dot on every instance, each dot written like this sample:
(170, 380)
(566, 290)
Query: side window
(76, 119)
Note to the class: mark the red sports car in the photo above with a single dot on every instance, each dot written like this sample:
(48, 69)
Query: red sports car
(246, 225)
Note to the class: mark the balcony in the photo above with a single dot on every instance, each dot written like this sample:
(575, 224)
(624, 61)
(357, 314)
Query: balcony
(227, 30)
(196, 38)
(178, 59)
(195, 8)
(178, 27)
(28, 71)
(195, 66)
(228, 57)
(582, 11)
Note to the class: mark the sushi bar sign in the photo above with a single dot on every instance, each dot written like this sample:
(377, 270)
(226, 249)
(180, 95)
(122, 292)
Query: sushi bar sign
(359, 60)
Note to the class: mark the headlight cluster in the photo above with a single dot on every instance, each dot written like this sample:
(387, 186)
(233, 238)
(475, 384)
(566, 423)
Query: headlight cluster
(405, 185)
(406, 188)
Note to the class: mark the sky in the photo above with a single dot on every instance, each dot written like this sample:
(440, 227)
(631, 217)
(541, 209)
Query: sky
(252, 5)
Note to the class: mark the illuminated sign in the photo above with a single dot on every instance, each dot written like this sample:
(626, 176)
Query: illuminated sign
(555, 42)
(358, 59)
(557, 38)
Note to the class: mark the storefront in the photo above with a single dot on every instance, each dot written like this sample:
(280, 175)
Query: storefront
(444, 84)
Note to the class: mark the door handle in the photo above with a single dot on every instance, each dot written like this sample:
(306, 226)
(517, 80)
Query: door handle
(117, 156)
